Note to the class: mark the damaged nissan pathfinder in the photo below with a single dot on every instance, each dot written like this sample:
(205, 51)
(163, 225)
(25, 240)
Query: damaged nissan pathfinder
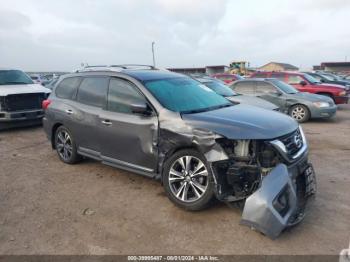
(198, 144)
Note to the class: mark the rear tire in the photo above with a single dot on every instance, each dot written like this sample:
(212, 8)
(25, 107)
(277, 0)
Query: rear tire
(65, 146)
(188, 181)
(300, 113)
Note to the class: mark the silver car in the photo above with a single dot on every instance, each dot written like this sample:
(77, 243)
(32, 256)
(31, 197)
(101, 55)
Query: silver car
(20, 99)
(299, 105)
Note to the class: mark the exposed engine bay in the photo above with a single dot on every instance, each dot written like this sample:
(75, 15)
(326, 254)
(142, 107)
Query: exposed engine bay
(258, 176)
(249, 162)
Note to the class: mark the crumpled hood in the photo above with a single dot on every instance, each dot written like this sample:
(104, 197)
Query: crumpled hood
(243, 122)
(22, 89)
(253, 101)
(311, 97)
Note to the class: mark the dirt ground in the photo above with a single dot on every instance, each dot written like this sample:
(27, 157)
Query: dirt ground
(47, 207)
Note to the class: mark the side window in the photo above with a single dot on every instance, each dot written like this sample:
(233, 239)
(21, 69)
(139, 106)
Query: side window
(67, 88)
(92, 91)
(245, 88)
(121, 95)
(317, 77)
(265, 88)
(278, 76)
(294, 79)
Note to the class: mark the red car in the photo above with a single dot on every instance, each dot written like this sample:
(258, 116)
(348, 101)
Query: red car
(227, 78)
(306, 83)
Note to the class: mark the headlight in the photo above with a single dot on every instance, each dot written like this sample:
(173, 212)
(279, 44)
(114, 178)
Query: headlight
(342, 93)
(321, 104)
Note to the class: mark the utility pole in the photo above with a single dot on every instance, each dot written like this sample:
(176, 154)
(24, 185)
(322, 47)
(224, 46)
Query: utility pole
(154, 60)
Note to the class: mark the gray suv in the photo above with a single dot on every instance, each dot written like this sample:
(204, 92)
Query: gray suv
(198, 144)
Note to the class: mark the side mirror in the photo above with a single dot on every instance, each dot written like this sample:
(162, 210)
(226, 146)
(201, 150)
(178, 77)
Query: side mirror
(140, 108)
(303, 83)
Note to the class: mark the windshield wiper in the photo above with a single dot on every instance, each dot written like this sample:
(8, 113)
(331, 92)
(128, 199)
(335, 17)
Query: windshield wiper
(206, 109)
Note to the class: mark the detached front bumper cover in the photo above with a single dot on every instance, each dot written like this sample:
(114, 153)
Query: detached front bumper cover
(274, 206)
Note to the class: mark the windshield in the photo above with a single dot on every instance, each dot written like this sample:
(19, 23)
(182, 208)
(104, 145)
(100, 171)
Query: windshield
(14, 77)
(220, 88)
(288, 89)
(185, 95)
(311, 79)
(330, 77)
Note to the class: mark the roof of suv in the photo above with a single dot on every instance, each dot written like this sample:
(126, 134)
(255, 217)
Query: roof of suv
(145, 75)
(140, 74)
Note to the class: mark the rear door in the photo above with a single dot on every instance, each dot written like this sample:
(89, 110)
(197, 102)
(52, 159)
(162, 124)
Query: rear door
(90, 99)
(128, 139)
(245, 88)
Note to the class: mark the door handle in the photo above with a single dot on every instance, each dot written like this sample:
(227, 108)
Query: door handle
(106, 122)
(69, 111)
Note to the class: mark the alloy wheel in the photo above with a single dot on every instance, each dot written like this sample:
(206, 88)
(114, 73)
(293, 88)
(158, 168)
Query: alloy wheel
(64, 145)
(298, 113)
(188, 179)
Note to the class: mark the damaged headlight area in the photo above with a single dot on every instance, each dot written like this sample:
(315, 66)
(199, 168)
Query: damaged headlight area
(272, 179)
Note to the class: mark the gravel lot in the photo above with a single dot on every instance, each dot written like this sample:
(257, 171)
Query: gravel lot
(47, 207)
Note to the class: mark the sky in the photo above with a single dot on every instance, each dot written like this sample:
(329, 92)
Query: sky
(39, 35)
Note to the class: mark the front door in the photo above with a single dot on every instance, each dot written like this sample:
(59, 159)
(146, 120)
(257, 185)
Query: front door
(128, 139)
(299, 83)
(270, 93)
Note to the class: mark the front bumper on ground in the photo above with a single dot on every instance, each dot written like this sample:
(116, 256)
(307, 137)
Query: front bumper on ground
(326, 112)
(278, 204)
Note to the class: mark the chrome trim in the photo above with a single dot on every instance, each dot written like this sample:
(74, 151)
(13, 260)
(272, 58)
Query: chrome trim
(283, 151)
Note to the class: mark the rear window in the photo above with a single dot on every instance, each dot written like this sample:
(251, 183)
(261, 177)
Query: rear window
(93, 91)
(67, 88)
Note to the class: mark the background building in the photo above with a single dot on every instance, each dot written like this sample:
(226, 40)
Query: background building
(336, 66)
(274, 66)
(209, 70)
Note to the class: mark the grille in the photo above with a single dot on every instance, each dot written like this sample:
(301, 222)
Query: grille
(293, 142)
(20, 102)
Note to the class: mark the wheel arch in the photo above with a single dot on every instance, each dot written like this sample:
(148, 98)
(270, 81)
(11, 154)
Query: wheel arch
(329, 94)
(53, 132)
(173, 151)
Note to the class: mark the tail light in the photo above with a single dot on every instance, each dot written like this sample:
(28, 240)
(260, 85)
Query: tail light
(46, 104)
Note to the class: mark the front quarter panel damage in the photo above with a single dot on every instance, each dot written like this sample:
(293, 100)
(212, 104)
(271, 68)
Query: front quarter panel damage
(175, 135)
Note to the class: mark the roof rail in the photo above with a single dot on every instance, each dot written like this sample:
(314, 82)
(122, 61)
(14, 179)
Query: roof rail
(115, 68)
(134, 66)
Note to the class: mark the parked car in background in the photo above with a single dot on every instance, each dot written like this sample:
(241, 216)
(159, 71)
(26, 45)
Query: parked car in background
(300, 106)
(328, 78)
(20, 99)
(306, 83)
(227, 92)
(50, 85)
(227, 78)
(171, 127)
(37, 79)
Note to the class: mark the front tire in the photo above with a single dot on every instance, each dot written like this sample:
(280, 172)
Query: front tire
(300, 113)
(65, 146)
(188, 181)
